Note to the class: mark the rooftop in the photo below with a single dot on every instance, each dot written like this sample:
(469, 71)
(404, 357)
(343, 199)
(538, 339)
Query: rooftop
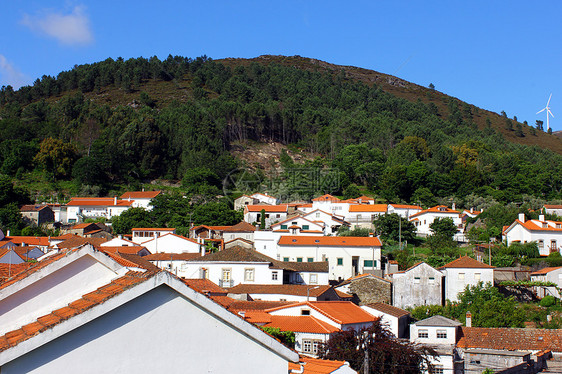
(340, 241)
(466, 262)
(389, 309)
(438, 321)
(511, 339)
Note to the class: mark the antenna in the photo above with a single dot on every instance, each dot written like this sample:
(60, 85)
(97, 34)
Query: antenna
(547, 109)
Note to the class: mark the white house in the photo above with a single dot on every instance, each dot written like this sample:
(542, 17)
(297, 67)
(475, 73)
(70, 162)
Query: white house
(172, 243)
(264, 198)
(80, 208)
(363, 215)
(547, 234)
(403, 210)
(423, 219)
(346, 256)
(242, 230)
(142, 234)
(397, 320)
(441, 334)
(465, 271)
(553, 209)
(549, 274)
(82, 311)
(141, 199)
(298, 224)
(273, 214)
(341, 314)
(418, 285)
(118, 241)
(332, 204)
(331, 222)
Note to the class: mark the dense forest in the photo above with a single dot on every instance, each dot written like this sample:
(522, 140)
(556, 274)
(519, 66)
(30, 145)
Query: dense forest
(73, 128)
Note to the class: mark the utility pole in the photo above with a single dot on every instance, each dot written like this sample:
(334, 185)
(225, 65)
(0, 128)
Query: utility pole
(399, 232)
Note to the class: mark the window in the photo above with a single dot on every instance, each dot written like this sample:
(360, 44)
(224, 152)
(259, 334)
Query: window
(431, 280)
(226, 273)
(299, 259)
(438, 369)
(477, 277)
(286, 259)
(417, 280)
(315, 345)
(305, 312)
(461, 276)
(279, 216)
(274, 275)
(294, 223)
(307, 346)
(283, 227)
(368, 263)
(317, 215)
(249, 275)
(306, 227)
(541, 244)
(340, 261)
(441, 334)
(310, 259)
(552, 245)
(313, 279)
(423, 334)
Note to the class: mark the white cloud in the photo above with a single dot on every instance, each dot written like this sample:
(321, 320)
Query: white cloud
(70, 29)
(10, 75)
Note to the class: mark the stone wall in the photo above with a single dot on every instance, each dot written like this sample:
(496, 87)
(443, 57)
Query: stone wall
(371, 290)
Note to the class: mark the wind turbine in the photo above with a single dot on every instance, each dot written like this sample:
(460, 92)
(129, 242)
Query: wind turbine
(547, 108)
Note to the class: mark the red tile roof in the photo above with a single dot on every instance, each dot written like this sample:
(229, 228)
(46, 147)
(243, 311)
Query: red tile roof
(436, 209)
(310, 365)
(511, 339)
(548, 206)
(281, 289)
(308, 324)
(536, 225)
(79, 306)
(77, 241)
(327, 197)
(403, 206)
(268, 208)
(140, 194)
(9, 270)
(374, 208)
(389, 309)
(244, 305)
(339, 241)
(97, 201)
(342, 312)
(29, 240)
(466, 262)
(127, 249)
(545, 270)
(153, 229)
(205, 287)
(162, 256)
(32, 208)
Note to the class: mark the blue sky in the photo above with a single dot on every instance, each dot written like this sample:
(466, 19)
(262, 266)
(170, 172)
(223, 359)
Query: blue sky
(498, 55)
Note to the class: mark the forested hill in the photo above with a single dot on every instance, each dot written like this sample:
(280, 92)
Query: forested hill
(127, 121)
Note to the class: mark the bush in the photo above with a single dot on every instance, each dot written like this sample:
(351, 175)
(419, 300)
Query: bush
(548, 301)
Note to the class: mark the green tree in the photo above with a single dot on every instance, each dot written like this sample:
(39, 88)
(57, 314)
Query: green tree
(56, 157)
(443, 227)
(132, 217)
(389, 227)
(379, 348)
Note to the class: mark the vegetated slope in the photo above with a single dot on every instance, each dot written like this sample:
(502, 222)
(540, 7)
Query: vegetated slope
(128, 121)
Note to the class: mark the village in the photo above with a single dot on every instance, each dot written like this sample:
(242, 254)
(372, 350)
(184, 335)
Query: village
(283, 267)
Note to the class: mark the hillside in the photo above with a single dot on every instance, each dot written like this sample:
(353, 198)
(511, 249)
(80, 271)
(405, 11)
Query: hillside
(99, 127)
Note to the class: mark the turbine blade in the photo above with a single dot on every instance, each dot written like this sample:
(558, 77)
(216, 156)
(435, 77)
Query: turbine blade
(549, 112)
(548, 102)
(542, 110)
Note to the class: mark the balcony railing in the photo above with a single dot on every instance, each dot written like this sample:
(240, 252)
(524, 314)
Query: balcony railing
(226, 283)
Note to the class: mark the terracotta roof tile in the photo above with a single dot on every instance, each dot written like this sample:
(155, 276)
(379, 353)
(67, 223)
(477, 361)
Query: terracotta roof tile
(29, 240)
(310, 365)
(97, 201)
(437, 209)
(466, 262)
(308, 324)
(268, 208)
(327, 197)
(545, 270)
(281, 289)
(140, 194)
(511, 339)
(340, 241)
(374, 208)
(238, 305)
(162, 256)
(205, 286)
(342, 312)
(78, 306)
(389, 309)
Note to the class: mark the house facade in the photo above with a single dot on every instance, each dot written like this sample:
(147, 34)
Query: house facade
(418, 285)
(140, 199)
(465, 271)
(346, 256)
(547, 234)
(81, 208)
(423, 219)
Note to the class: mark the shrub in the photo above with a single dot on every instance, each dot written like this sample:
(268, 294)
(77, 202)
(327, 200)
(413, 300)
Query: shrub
(548, 301)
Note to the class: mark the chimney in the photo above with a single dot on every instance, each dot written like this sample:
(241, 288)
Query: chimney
(472, 210)
(541, 217)
(522, 217)
(120, 236)
(371, 235)
(115, 200)
(454, 206)
(468, 319)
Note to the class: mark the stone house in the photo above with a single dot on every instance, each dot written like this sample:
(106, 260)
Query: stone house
(367, 289)
(420, 284)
